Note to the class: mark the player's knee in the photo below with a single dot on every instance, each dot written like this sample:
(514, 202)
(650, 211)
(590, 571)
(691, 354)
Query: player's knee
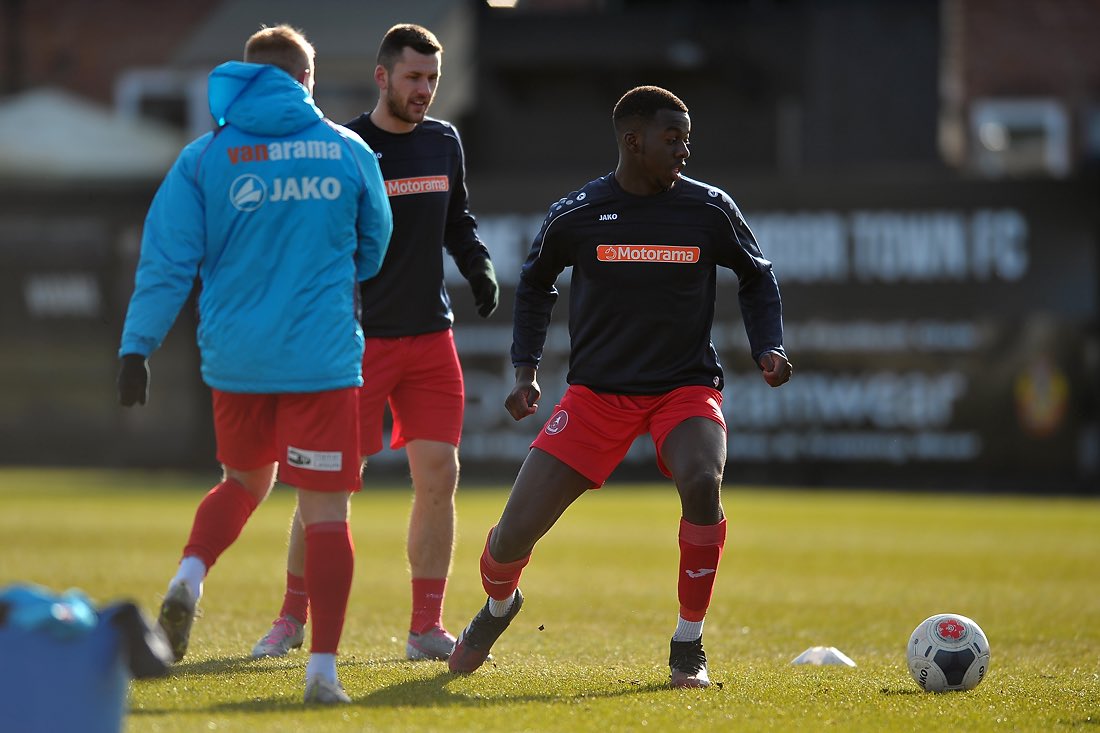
(699, 481)
(322, 506)
(700, 492)
(433, 465)
(258, 482)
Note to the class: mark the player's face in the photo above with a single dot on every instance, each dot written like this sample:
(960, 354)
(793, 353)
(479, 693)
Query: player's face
(664, 148)
(410, 87)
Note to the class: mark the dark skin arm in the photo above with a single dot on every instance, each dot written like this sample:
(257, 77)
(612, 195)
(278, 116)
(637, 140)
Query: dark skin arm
(776, 369)
(523, 400)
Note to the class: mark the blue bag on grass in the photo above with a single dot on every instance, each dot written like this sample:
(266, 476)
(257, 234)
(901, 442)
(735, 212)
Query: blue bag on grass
(66, 667)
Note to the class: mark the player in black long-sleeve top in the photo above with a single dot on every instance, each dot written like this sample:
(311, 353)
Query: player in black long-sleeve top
(644, 243)
(425, 179)
(409, 360)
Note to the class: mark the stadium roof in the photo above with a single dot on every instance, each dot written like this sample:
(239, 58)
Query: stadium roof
(48, 134)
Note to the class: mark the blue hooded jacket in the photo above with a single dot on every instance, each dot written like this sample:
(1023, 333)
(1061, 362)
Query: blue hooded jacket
(280, 213)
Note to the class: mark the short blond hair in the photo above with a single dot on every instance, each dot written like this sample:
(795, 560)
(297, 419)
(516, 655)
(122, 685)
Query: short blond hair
(282, 46)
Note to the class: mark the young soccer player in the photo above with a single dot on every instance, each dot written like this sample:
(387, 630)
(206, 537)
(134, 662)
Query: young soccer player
(644, 243)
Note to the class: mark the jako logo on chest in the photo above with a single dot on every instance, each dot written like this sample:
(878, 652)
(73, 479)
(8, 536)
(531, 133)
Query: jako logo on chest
(608, 217)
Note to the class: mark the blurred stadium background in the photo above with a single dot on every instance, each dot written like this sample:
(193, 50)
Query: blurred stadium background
(923, 173)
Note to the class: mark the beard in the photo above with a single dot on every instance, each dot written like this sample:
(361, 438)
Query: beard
(399, 109)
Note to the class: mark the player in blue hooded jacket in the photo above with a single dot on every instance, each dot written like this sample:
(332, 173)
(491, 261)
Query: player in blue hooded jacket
(280, 213)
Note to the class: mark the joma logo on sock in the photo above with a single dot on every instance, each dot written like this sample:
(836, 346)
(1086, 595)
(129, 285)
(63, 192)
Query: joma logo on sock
(699, 573)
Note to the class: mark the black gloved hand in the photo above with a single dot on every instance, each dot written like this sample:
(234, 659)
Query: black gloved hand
(483, 281)
(133, 380)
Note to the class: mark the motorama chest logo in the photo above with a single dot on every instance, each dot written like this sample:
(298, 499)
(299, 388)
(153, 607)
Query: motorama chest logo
(663, 253)
(421, 184)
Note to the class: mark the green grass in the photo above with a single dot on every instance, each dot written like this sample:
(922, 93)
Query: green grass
(854, 570)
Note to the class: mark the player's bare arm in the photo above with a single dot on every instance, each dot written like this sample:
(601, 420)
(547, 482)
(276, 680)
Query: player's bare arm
(776, 369)
(523, 400)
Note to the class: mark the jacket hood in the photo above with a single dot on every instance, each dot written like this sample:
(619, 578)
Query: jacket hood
(260, 99)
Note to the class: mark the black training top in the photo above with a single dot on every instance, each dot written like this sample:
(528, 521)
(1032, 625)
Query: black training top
(425, 177)
(642, 293)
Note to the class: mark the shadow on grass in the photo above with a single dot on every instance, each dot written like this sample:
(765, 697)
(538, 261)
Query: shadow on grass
(237, 664)
(431, 692)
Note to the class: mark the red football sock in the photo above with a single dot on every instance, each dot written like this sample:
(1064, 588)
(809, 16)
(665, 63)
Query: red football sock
(219, 520)
(330, 561)
(427, 603)
(500, 579)
(700, 552)
(296, 599)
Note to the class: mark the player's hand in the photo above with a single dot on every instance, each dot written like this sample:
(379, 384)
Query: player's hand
(777, 370)
(483, 281)
(133, 380)
(523, 400)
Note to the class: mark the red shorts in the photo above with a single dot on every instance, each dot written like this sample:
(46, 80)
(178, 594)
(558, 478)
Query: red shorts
(314, 436)
(592, 431)
(421, 379)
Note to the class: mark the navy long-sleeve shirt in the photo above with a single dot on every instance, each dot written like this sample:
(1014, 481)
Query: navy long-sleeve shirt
(425, 177)
(642, 293)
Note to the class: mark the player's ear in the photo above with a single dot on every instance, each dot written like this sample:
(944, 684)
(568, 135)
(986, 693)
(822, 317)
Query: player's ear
(380, 76)
(631, 141)
(306, 80)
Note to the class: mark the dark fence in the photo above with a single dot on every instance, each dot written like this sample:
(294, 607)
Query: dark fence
(944, 335)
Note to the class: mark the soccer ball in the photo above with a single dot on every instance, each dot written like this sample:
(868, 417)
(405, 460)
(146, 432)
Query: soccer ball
(948, 652)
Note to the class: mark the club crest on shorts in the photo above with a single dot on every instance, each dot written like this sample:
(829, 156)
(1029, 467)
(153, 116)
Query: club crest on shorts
(557, 423)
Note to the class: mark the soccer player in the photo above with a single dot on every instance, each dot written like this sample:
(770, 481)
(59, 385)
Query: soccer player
(644, 243)
(279, 212)
(410, 360)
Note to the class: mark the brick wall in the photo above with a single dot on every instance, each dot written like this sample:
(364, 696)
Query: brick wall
(82, 45)
(1019, 48)
(1031, 47)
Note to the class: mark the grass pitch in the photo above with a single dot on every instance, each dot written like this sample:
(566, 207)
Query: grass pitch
(854, 570)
